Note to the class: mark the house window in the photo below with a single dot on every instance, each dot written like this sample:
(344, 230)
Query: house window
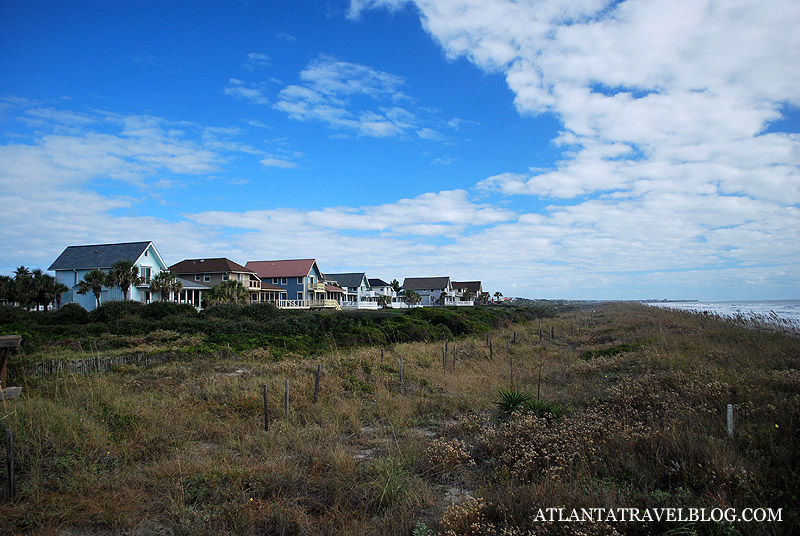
(283, 280)
(300, 296)
(299, 280)
(197, 277)
(206, 277)
(145, 274)
(226, 276)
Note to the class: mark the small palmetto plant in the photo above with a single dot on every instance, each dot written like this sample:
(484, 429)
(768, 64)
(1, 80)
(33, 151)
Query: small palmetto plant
(512, 400)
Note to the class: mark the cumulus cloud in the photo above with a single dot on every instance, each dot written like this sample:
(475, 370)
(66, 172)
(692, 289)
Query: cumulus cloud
(665, 107)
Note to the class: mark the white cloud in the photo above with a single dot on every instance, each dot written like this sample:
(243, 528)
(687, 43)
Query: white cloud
(278, 162)
(664, 106)
(353, 97)
(241, 90)
(257, 60)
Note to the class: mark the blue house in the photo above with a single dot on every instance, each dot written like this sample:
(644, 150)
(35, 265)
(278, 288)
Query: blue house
(77, 261)
(302, 280)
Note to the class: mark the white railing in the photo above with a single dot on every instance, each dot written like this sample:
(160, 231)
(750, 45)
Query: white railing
(307, 304)
(458, 303)
(360, 305)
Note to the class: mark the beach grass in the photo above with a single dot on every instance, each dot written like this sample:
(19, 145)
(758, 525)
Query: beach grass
(641, 396)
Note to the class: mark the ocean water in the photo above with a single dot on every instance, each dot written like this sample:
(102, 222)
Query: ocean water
(785, 310)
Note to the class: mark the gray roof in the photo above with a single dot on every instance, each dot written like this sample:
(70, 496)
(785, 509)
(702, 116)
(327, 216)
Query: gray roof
(189, 284)
(378, 283)
(351, 280)
(472, 286)
(98, 255)
(422, 283)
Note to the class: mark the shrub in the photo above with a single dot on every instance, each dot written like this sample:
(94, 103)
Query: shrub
(71, 313)
(160, 310)
(114, 310)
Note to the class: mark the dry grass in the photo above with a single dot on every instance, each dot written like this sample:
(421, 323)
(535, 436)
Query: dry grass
(180, 448)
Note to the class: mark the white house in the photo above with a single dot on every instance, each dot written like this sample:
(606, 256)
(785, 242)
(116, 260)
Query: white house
(358, 292)
(432, 290)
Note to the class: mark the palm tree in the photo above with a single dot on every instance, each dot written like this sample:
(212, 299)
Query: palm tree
(59, 289)
(166, 283)
(395, 284)
(497, 296)
(6, 289)
(411, 297)
(384, 301)
(23, 287)
(94, 282)
(123, 274)
(43, 289)
(228, 292)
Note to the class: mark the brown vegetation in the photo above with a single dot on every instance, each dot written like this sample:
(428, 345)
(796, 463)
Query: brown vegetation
(180, 448)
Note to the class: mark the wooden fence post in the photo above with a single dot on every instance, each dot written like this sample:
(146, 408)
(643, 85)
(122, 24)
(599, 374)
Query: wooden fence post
(319, 372)
(730, 421)
(491, 351)
(381, 355)
(266, 412)
(401, 372)
(286, 399)
(10, 463)
(444, 360)
(455, 350)
(511, 367)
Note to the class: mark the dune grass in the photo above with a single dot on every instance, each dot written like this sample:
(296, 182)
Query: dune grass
(641, 392)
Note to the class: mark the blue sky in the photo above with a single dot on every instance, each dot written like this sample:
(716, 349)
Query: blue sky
(586, 150)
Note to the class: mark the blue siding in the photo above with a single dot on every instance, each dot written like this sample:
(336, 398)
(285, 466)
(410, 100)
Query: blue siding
(71, 278)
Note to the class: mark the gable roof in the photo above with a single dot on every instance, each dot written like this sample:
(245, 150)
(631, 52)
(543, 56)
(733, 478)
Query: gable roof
(99, 255)
(196, 266)
(422, 283)
(351, 280)
(378, 283)
(287, 268)
(334, 288)
(472, 286)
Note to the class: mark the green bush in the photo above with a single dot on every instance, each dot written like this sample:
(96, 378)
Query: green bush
(161, 310)
(71, 313)
(114, 310)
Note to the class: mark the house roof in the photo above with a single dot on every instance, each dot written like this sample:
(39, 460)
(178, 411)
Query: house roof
(472, 286)
(196, 266)
(351, 280)
(193, 285)
(98, 255)
(421, 283)
(334, 288)
(287, 268)
(378, 283)
(270, 286)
